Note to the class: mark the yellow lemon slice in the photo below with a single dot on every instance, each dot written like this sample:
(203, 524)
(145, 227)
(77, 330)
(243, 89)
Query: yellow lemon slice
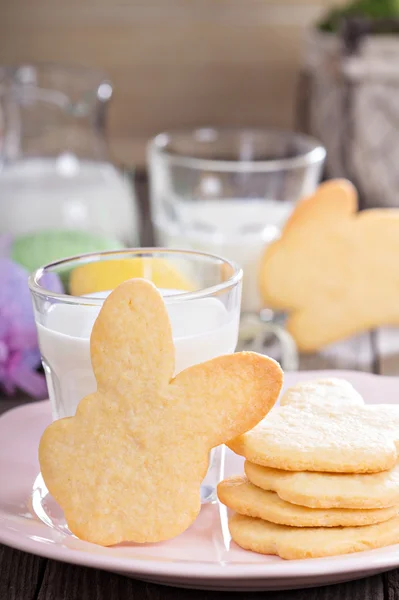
(108, 274)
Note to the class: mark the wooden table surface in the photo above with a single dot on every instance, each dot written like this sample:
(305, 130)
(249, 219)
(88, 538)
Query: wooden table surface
(27, 577)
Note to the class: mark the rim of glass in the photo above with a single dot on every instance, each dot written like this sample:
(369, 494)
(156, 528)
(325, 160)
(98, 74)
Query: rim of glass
(314, 155)
(97, 84)
(99, 74)
(80, 259)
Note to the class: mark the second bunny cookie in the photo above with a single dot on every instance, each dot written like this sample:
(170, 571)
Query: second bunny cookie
(333, 270)
(129, 465)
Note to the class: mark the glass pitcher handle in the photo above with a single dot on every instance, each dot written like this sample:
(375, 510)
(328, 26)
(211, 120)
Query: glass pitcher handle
(256, 334)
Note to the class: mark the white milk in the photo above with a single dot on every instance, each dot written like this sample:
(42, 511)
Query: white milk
(202, 329)
(235, 229)
(67, 194)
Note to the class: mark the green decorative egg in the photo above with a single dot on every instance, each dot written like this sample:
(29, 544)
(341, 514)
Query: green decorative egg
(35, 250)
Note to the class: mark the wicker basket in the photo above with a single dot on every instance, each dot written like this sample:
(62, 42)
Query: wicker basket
(350, 101)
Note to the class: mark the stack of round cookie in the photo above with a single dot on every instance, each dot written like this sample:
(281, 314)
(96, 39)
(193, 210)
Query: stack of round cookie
(321, 475)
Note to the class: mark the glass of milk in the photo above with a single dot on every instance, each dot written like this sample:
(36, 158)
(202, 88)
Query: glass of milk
(203, 303)
(230, 191)
(56, 178)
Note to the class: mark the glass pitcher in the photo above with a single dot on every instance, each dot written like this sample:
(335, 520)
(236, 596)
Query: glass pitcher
(59, 193)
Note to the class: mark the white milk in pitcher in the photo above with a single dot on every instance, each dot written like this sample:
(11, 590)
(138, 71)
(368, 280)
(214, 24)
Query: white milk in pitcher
(67, 194)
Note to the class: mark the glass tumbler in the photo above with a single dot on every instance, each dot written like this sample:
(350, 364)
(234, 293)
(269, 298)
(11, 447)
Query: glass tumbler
(202, 294)
(229, 192)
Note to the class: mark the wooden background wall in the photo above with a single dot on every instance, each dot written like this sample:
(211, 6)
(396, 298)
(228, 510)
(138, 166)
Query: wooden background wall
(173, 62)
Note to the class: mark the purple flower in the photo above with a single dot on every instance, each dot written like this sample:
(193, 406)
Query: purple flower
(19, 352)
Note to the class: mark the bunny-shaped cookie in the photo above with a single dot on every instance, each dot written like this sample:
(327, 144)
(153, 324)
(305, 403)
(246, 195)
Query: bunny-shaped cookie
(129, 465)
(334, 270)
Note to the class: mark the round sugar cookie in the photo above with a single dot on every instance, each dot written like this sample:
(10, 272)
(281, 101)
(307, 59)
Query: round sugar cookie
(329, 490)
(310, 542)
(324, 437)
(246, 499)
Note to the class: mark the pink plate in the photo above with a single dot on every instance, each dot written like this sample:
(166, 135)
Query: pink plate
(203, 557)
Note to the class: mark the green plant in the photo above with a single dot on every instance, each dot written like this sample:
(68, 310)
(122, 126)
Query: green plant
(367, 9)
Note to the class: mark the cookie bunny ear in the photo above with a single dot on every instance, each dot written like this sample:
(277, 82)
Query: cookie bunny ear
(133, 333)
(227, 395)
(333, 201)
